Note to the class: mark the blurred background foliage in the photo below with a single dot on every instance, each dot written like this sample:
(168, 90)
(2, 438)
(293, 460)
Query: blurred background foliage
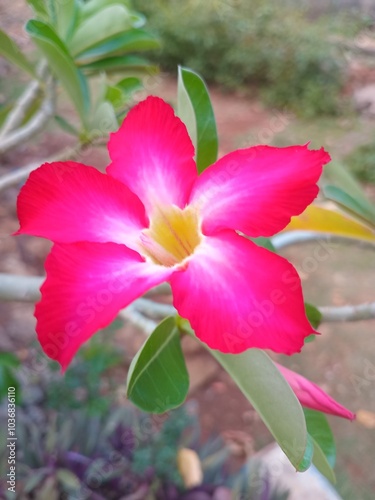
(77, 437)
(273, 46)
(361, 162)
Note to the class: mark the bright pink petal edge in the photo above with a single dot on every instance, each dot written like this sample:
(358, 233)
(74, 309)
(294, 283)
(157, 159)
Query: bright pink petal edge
(257, 190)
(153, 155)
(86, 286)
(68, 202)
(237, 295)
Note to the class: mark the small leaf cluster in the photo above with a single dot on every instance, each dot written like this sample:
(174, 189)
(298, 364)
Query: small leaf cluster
(80, 40)
(362, 162)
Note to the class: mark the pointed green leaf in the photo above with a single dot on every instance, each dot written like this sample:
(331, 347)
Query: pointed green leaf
(94, 6)
(271, 396)
(341, 177)
(355, 205)
(319, 429)
(9, 359)
(105, 118)
(102, 25)
(265, 243)
(62, 64)
(10, 50)
(39, 8)
(66, 126)
(66, 18)
(8, 379)
(131, 41)
(129, 85)
(321, 463)
(195, 110)
(69, 480)
(115, 96)
(313, 315)
(157, 379)
(127, 63)
(4, 111)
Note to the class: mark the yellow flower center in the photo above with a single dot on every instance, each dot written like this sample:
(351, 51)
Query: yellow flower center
(172, 236)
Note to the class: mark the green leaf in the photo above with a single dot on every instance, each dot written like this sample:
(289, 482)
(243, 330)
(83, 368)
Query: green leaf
(66, 18)
(66, 126)
(321, 463)
(265, 243)
(132, 41)
(8, 379)
(273, 399)
(115, 96)
(62, 64)
(35, 479)
(271, 396)
(313, 315)
(102, 25)
(9, 359)
(121, 63)
(129, 85)
(104, 118)
(157, 379)
(309, 338)
(341, 177)
(195, 110)
(39, 8)
(319, 429)
(10, 50)
(4, 111)
(356, 206)
(94, 6)
(69, 480)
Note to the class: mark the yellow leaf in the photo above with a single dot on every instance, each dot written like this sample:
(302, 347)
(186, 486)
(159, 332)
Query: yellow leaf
(189, 466)
(366, 418)
(323, 220)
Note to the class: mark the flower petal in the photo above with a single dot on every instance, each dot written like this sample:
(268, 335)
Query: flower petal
(68, 202)
(153, 155)
(237, 295)
(86, 285)
(312, 396)
(257, 190)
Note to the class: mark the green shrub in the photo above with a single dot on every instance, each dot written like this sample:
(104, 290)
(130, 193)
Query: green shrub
(237, 43)
(362, 162)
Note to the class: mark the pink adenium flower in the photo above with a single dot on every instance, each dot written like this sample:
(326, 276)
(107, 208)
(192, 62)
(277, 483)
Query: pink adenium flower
(312, 396)
(151, 219)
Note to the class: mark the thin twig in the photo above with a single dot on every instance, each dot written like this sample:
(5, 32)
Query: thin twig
(21, 174)
(20, 288)
(137, 319)
(26, 288)
(290, 238)
(21, 107)
(163, 289)
(34, 125)
(13, 286)
(154, 309)
(24, 102)
(348, 313)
